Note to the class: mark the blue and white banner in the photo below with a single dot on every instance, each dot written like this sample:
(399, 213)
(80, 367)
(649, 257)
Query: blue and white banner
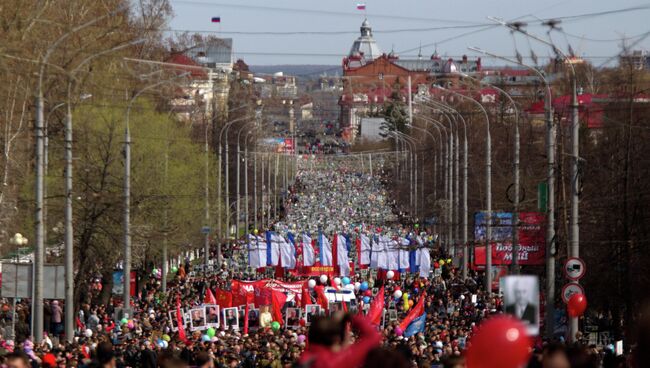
(325, 248)
(308, 255)
(256, 251)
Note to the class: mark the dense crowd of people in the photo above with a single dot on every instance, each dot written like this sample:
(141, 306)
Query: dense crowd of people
(329, 196)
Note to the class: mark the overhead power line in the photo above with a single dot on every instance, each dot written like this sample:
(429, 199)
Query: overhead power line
(321, 12)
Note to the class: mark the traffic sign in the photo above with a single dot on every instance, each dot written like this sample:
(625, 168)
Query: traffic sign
(575, 268)
(205, 230)
(569, 289)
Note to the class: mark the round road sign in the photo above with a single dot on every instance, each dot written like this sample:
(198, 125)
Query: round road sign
(574, 268)
(569, 289)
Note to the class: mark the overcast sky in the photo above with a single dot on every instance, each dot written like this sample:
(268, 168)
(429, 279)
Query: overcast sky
(596, 37)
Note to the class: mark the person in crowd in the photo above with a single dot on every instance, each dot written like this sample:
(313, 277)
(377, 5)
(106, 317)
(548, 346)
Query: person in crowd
(330, 345)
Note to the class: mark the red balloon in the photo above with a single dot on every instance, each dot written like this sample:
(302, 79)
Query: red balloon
(302, 322)
(367, 292)
(577, 305)
(499, 342)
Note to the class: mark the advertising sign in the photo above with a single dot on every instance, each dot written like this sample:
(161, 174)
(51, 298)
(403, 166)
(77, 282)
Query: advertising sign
(532, 238)
(118, 282)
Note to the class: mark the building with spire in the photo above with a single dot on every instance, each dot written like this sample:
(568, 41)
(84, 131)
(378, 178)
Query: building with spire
(371, 78)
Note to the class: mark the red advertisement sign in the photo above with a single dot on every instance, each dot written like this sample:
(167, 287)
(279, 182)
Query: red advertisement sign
(532, 241)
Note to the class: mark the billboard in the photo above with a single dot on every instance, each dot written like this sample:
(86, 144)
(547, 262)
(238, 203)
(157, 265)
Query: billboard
(532, 238)
(18, 280)
(280, 145)
(118, 282)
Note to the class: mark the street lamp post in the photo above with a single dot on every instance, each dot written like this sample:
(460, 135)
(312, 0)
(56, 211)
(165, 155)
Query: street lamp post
(39, 231)
(574, 233)
(465, 176)
(127, 191)
(514, 267)
(550, 183)
(488, 189)
(19, 240)
(438, 161)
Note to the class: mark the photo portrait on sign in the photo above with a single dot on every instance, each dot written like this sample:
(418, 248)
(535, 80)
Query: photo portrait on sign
(335, 307)
(197, 320)
(173, 320)
(231, 318)
(521, 299)
(211, 315)
(292, 317)
(311, 310)
(253, 318)
(242, 318)
(392, 315)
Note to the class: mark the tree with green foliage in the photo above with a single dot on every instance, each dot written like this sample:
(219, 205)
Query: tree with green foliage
(394, 113)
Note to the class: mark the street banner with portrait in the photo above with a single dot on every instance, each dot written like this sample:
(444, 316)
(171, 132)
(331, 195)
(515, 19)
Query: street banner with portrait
(521, 299)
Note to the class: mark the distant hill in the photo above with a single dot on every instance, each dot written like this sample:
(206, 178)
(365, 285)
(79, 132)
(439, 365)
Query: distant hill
(308, 71)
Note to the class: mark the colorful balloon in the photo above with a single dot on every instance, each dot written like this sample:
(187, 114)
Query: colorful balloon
(499, 342)
(210, 332)
(398, 331)
(311, 283)
(366, 299)
(323, 279)
(577, 305)
(364, 286)
(337, 280)
(275, 325)
(397, 294)
(390, 275)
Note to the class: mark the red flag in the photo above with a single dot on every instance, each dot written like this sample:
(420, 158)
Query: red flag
(246, 319)
(306, 297)
(278, 299)
(179, 321)
(224, 298)
(209, 297)
(357, 243)
(377, 308)
(414, 313)
(321, 298)
(335, 252)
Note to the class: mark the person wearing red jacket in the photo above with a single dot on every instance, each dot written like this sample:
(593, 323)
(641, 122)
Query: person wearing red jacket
(328, 342)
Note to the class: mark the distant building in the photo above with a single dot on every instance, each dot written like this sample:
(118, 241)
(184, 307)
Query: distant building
(210, 66)
(370, 129)
(638, 59)
(371, 78)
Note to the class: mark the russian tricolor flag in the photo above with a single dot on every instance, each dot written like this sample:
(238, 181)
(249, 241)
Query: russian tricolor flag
(361, 6)
(216, 19)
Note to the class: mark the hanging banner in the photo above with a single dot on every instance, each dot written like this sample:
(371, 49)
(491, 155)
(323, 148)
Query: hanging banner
(260, 292)
(532, 238)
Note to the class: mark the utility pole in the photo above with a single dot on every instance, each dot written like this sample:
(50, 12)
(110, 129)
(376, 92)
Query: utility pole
(574, 249)
(206, 149)
(550, 183)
